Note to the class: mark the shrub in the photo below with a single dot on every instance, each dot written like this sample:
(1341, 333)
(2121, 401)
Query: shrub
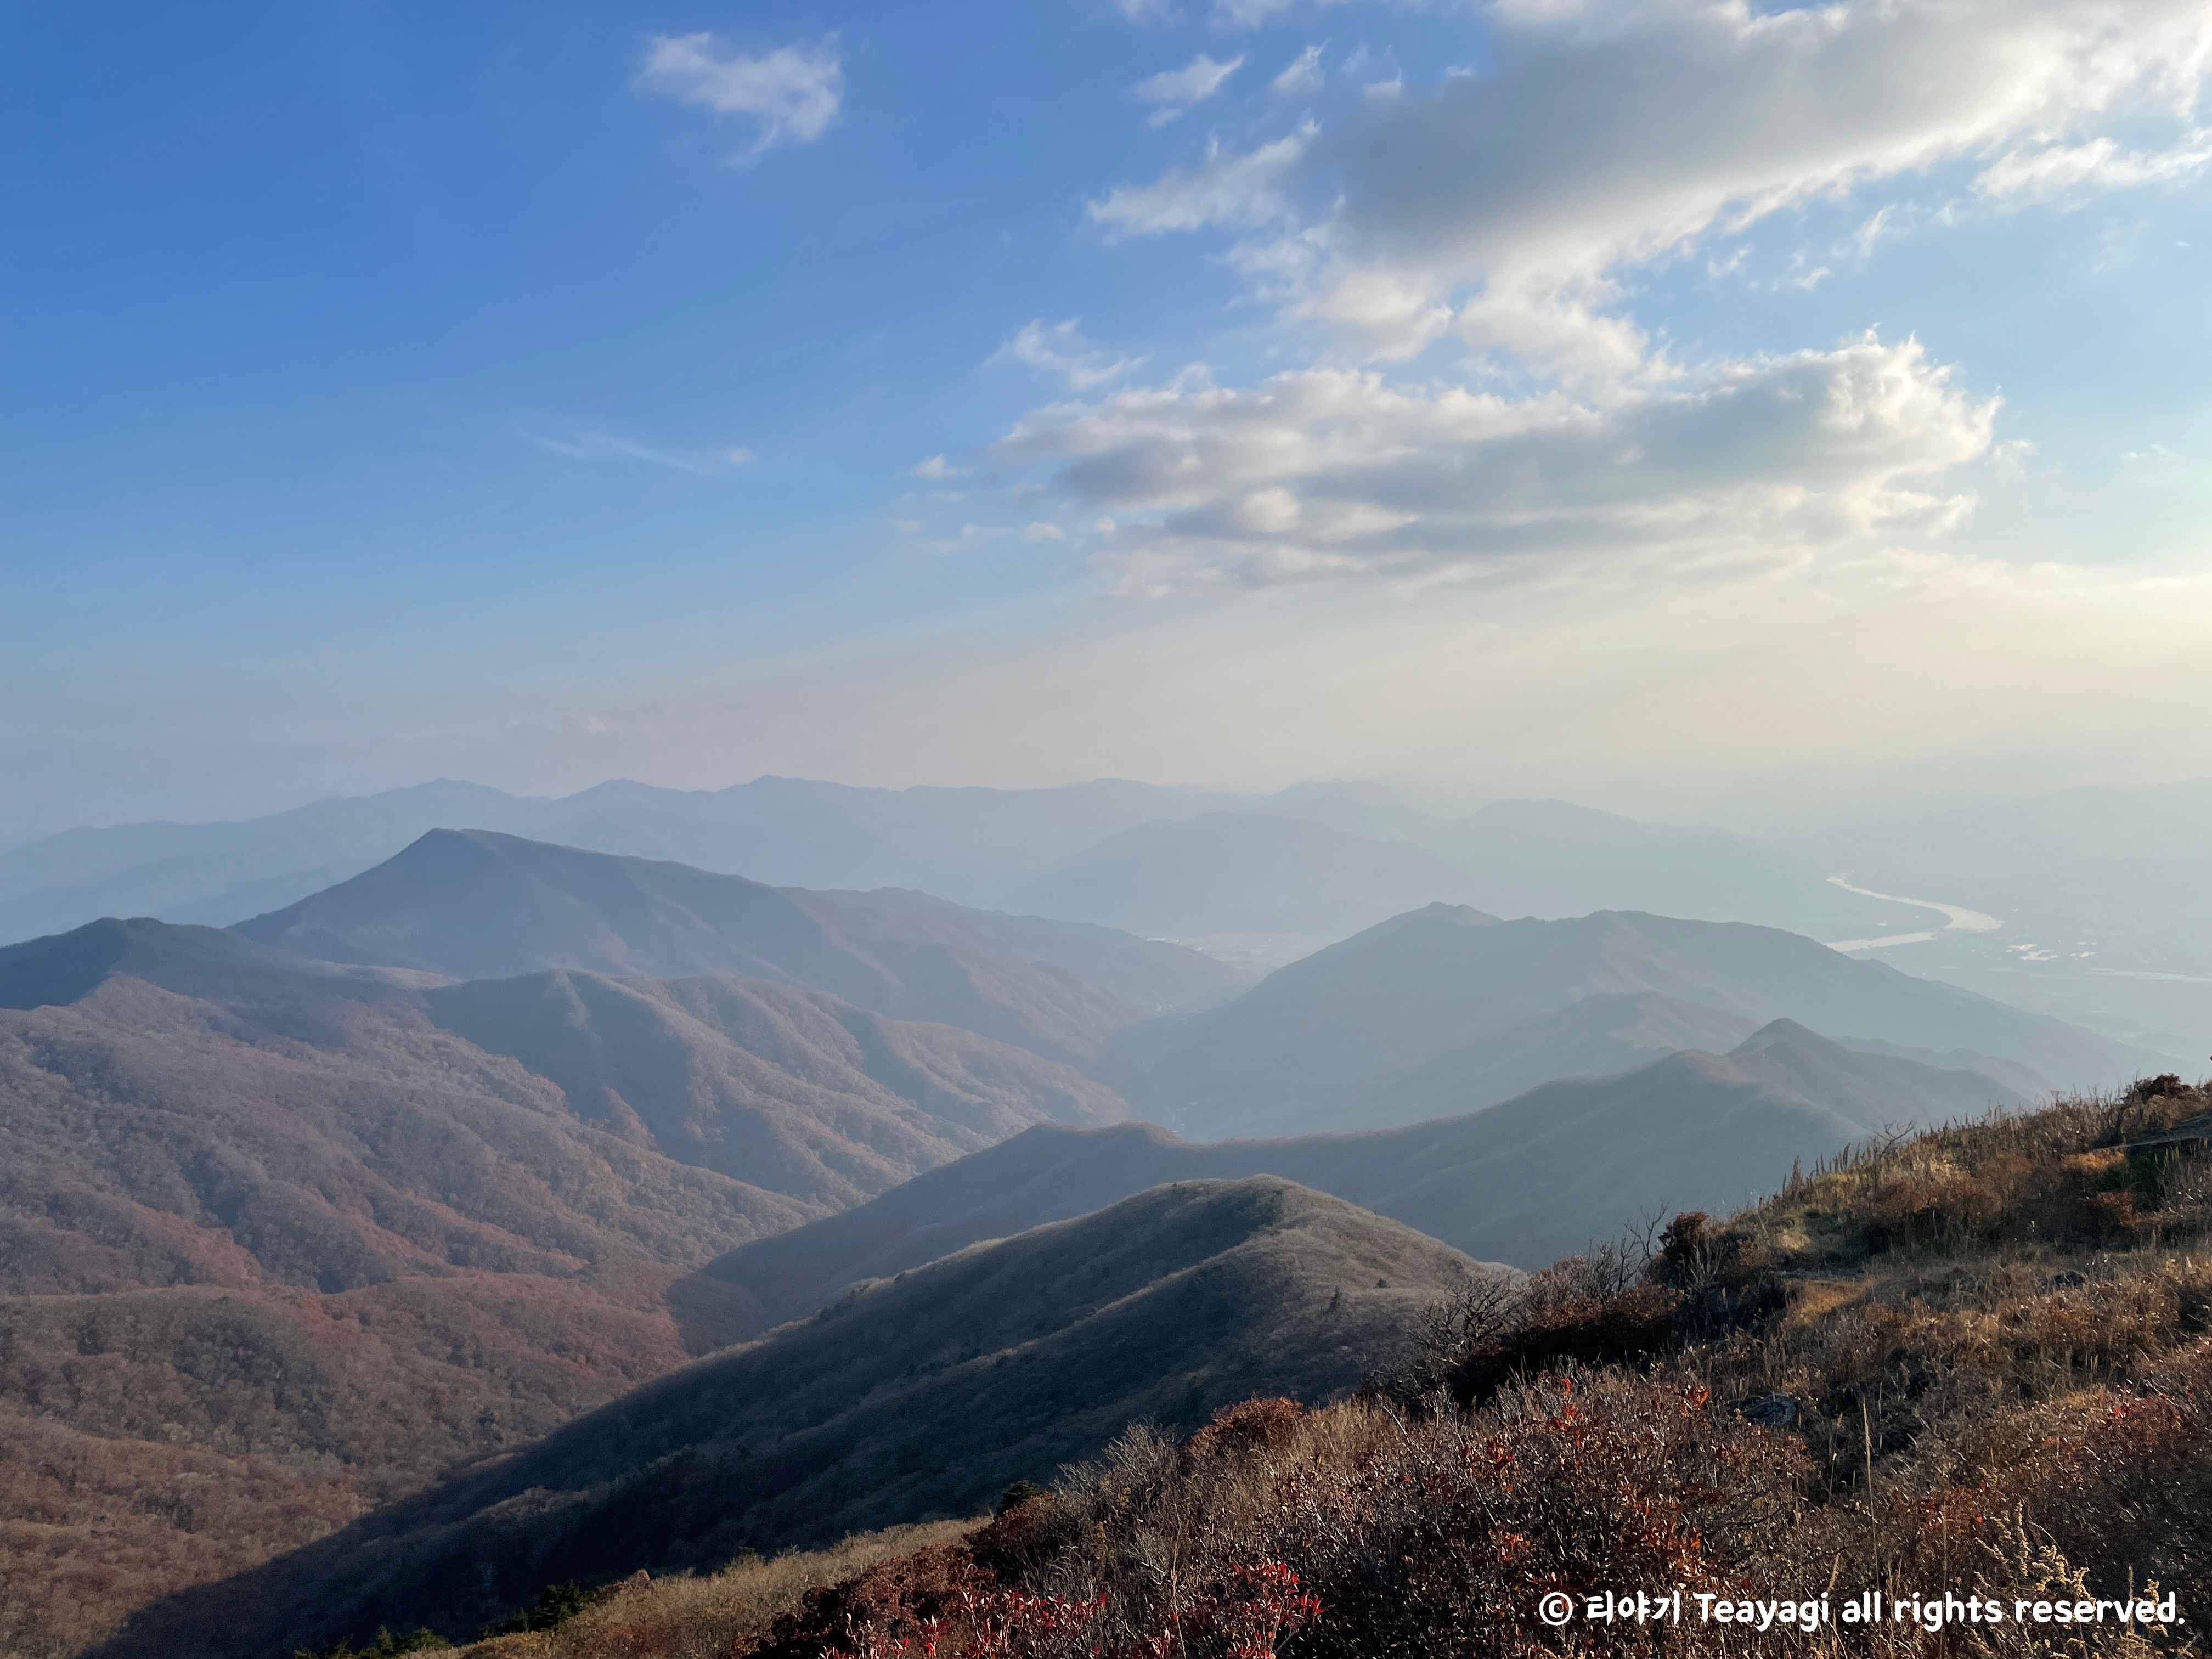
(556, 1605)
(1588, 1331)
(1017, 1495)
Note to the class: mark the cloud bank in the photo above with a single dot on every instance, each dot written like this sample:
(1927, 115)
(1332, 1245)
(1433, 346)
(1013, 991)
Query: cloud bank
(1510, 219)
(1333, 473)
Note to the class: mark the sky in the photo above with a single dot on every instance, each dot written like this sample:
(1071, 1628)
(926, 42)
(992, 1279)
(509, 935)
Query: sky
(1676, 406)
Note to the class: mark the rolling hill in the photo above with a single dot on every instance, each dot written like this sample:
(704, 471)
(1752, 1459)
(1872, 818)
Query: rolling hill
(919, 1396)
(1386, 1026)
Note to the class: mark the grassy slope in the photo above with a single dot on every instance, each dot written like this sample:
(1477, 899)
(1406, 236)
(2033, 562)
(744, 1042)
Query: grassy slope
(1973, 1360)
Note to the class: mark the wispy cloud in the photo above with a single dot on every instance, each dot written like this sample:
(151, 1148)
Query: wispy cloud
(1226, 189)
(1304, 75)
(935, 467)
(600, 445)
(794, 92)
(1175, 91)
(1060, 349)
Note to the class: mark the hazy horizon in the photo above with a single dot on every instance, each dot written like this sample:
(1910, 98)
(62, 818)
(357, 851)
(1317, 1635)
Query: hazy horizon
(1215, 392)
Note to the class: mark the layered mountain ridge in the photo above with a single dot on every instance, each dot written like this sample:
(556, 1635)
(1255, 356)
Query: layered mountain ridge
(1316, 857)
(919, 1397)
(411, 1171)
(1447, 1008)
(473, 905)
(1569, 1165)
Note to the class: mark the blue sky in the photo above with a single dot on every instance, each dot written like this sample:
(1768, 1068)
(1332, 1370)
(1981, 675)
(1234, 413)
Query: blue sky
(1648, 403)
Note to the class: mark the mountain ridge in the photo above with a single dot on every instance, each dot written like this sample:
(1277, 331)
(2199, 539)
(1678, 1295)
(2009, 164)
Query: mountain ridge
(924, 1395)
(1333, 1035)
(1563, 1166)
(475, 904)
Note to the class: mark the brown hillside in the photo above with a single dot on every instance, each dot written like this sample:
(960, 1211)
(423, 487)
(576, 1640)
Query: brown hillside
(278, 1243)
(919, 1397)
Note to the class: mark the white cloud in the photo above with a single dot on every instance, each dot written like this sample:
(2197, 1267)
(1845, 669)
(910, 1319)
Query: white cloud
(1176, 90)
(1244, 191)
(1304, 75)
(1519, 212)
(794, 93)
(934, 467)
(1041, 532)
(1614, 133)
(2061, 171)
(1060, 349)
(1324, 472)
(740, 457)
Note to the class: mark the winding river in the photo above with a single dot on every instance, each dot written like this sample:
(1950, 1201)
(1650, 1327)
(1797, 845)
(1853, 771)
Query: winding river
(1957, 920)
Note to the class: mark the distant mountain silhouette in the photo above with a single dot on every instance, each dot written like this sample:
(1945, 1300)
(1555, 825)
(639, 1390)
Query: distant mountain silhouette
(1551, 858)
(1109, 852)
(965, 843)
(474, 904)
(1229, 873)
(912, 1398)
(1525, 1182)
(1387, 1024)
(1604, 1032)
(1336, 865)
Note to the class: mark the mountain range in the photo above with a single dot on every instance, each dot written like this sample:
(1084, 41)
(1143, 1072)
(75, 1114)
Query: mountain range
(473, 905)
(299, 1217)
(1446, 1008)
(1313, 859)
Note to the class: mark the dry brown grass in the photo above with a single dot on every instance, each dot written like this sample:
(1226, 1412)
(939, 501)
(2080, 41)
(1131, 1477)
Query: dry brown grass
(700, 1616)
(1945, 1364)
